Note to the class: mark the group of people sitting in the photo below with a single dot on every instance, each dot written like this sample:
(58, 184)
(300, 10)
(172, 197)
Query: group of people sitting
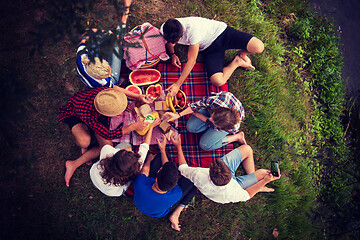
(158, 190)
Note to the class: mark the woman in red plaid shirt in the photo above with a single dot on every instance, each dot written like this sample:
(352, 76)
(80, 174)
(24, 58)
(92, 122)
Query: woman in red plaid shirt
(88, 114)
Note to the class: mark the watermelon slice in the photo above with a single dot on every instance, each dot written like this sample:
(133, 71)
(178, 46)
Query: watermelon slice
(143, 77)
(154, 91)
(134, 89)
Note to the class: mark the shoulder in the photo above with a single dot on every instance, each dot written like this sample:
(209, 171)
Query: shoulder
(108, 151)
(140, 178)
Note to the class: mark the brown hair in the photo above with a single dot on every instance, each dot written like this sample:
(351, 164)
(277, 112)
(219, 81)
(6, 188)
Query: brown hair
(225, 118)
(168, 176)
(120, 168)
(220, 174)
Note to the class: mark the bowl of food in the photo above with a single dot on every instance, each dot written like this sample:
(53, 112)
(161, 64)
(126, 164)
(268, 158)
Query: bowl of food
(178, 102)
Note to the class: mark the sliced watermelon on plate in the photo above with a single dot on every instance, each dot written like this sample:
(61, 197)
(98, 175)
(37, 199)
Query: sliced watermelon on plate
(143, 77)
(134, 89)
(154, 91)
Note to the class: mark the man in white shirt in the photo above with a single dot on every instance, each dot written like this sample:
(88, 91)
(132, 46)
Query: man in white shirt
(213, 38)
(219, 183)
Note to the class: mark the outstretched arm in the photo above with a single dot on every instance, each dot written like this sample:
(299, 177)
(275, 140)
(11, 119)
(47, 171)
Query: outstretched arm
(177, 144)
(174, 59)
(173, 116)
(162, 147)
(142, 97)
(146, 167)
(192, 55)
(149, 133)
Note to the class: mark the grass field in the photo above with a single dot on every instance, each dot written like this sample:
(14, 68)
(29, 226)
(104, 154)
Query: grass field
(294, 103)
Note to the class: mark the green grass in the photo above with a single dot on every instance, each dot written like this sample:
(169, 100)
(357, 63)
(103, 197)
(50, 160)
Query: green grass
(293, 102)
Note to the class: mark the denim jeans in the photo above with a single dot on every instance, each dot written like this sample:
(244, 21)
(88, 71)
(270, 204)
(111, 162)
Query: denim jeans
(233, 160)
(211, 139)
(115, 64)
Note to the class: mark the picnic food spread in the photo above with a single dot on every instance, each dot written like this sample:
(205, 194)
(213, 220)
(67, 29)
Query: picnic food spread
(154, 91)
(134, 89)
(143, 77)
(177, 102)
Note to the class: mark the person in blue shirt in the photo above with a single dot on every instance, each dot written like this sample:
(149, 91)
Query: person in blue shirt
(158, 190)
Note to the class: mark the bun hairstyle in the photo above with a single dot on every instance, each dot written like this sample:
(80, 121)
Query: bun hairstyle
(173, 30)
(121, 168)
(225, 118)
(220, 174)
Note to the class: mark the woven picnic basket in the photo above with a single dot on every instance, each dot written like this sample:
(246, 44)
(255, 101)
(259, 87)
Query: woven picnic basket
(148, 64)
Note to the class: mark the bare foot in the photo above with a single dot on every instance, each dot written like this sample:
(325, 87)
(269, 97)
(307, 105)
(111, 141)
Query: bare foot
(83, 150)
(266, 189)
(244, 61)
(69, 172)
(275, 233)
(241, 139)
(175, 222)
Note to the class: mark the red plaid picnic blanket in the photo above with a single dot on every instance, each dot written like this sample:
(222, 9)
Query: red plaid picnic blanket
(196, 86)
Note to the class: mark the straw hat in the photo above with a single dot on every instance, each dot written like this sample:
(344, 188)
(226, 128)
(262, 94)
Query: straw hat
(99, 69)
(110, 102)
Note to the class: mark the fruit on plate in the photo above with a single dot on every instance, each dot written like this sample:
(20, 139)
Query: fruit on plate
(180, 100)
(143, 77)
(179, 95)
(169, 103)
(134, 89)
(154, 91)
(175, 101)
(182, 103)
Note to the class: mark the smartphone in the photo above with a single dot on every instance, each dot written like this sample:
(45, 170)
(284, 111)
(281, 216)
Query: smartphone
(274, 166)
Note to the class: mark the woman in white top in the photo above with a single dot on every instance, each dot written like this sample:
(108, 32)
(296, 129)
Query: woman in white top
(117, 166)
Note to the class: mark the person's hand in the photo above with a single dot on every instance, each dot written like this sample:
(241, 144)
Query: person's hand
(146, 98)
(162, 145)
(172, 90)
(175, 61)
(269, 177)
(170, 116)
(140, 125)
(176, 142)
(156, 122)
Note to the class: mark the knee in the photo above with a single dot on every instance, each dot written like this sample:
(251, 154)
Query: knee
(83, 141)
(246, 151)
(205, 145)
(255, 45)
(217, 81)
(192, 127)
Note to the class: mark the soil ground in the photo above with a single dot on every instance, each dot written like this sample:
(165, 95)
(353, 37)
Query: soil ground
(347, 20)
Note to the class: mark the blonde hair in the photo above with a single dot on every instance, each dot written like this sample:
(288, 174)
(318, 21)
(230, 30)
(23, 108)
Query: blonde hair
(100, 69)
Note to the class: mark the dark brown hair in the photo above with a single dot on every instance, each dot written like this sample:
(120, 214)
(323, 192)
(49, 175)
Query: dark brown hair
(225, 118)
(120, 168)
(173, 30)
(220, 174)
(168, 176)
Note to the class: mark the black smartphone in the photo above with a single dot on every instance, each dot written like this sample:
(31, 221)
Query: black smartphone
(274, 166)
